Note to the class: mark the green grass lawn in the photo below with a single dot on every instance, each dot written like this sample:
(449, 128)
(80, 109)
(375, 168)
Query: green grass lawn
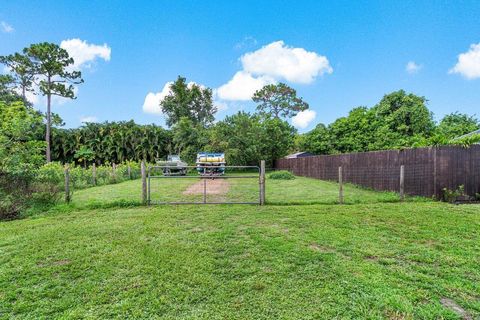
(359, 261)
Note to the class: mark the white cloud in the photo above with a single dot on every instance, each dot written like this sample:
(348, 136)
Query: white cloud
(283, 62)
(152, 100)
(270, 64)
(85, 119)
(84, 54)
(304, 118)
(6, 28)
(412, 67)
(242, 86)
(468, 64)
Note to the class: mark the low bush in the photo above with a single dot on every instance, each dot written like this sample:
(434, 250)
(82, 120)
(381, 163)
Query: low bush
(281, 175)
(452, 195)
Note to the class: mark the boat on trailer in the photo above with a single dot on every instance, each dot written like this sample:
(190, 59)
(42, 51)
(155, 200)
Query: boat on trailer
(211, 163)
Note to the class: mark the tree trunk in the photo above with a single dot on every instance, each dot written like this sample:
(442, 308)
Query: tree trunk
(276, 111)
(49, 123)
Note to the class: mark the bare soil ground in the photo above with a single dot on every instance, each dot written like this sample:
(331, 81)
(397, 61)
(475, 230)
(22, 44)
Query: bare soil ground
(214, 186)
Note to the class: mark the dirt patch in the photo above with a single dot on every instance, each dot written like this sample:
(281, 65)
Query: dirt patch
(370, 257)
(319, 248)
(452, 305)
(214, 186)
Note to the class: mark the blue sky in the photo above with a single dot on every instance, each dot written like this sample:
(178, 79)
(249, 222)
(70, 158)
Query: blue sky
(337, 55)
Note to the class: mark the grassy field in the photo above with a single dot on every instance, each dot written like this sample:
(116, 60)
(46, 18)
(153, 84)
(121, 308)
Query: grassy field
(372, 260)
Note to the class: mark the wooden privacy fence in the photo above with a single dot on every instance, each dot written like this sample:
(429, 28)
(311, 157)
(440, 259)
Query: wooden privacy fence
(426, 170)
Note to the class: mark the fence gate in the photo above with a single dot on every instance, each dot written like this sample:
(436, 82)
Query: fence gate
(199, 185)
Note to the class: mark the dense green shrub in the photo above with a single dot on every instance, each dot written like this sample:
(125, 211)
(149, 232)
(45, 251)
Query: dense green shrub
(20, 154)
(281, 175)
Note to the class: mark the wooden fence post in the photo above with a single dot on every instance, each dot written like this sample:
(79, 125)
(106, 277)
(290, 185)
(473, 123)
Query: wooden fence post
(67, 184)
(144, 182)
(402, 182)
(114, 172)
(129, 171)
(340, 185)
(262, 182)
(94, 174)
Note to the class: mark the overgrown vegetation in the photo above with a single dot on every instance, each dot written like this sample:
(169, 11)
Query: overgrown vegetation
(20, 155)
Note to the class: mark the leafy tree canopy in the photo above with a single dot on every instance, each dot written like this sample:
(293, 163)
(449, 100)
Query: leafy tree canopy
(405, 114)
(22, 72)
(112, 142)
(7, 89)
(52, 65)
(246, 139)
(398, 120)
(456, 124)
(84, 155)
(188, 138)
(316, 141)
(188, 101)
(20, 151)
(279, 100)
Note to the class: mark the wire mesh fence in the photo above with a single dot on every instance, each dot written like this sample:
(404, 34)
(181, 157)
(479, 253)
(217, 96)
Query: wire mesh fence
(193, 185)
(366, 178)
(308, 190)
(73, 183)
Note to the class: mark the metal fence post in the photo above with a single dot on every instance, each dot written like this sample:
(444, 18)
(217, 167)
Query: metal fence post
(144, 182)
(262, 182)
(402, 182)
(67, 184)
(340, 185)
(204, 190)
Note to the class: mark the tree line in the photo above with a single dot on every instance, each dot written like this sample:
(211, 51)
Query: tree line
(189, 111)
(398, 120)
